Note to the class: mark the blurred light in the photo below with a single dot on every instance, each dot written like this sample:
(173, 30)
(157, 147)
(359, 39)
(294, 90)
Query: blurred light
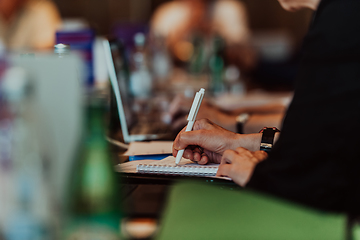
(184, 50)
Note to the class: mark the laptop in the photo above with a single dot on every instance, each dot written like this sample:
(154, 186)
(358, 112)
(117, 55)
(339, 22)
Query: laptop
(133, 126)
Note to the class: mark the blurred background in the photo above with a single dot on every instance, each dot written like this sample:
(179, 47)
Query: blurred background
(103, 15)
(274, 34)
(59, 111)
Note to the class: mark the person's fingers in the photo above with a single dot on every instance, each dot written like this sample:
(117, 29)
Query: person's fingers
(176, 140)
(197, 153)
(197, 156)
(243, 151)
(174, 152)
(224, 170)
(203, 131)
(193, 153)
(260, 155)
(256, 156)
(212, 138)
(198, 149)
(189, 154)
(204, 159)
(228, 156)
(214, 157)
(203, 124)
(185, 139)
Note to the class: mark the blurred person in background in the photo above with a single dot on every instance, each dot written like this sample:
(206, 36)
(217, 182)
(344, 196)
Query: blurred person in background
(246, 119)
(314, 160)
(183, 23)
(28, 24)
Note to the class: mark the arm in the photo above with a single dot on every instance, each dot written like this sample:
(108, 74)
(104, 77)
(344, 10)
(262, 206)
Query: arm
(268, 115)
(239, 164)
(213, 141)
(46, 21)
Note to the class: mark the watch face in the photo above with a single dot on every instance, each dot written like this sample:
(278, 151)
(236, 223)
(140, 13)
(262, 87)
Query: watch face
(265, 147)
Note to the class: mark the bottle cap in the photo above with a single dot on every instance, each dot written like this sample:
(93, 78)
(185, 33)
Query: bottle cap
(61, 48)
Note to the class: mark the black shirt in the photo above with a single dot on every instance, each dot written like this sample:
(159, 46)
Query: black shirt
(316, 160)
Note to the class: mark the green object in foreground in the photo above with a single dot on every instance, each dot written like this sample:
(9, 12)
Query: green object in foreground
(197, 211)
(94, 202)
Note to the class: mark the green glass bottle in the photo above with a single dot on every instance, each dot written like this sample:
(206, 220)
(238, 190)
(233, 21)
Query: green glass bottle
(196, 64)
(216, 66)
(94, 201)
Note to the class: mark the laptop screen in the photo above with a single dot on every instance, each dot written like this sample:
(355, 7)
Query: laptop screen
(140, 118)
(119, 81)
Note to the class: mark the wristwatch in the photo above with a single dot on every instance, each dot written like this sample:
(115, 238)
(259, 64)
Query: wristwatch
(267, 139)
(240, 122)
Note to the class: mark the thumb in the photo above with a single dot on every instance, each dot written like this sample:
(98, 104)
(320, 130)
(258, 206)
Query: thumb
(185, 139)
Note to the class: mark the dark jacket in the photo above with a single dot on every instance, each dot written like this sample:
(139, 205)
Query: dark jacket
(316, 160)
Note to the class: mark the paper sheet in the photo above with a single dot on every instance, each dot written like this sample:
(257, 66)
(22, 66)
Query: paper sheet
(130, 167)
(149, 148)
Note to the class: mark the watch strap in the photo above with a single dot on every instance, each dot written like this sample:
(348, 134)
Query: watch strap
(267, 139)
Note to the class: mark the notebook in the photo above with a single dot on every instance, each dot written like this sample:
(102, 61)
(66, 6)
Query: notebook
(133, 127)
(167, 166)
(177, 170)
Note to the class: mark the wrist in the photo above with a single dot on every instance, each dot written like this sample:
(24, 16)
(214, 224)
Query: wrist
(249, 141)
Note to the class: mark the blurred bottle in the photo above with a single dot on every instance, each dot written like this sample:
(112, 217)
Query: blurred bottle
(216, 66)
(161, 61)
(234, 81)
(81, 41)
(62, 50)
(197, 60)
(140, 77)
(94, 205)
(6, 145)
(26, 194)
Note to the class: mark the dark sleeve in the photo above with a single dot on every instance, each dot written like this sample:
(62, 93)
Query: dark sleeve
(316, 159)
(315, 163)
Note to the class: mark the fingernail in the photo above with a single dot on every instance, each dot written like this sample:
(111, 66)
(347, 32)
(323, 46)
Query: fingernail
(175, 145)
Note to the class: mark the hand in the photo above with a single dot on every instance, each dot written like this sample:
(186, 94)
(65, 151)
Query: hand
(240, 164)
(179, 108)
(206, 143)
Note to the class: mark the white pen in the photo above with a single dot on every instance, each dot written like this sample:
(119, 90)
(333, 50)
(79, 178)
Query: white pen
(191, 118)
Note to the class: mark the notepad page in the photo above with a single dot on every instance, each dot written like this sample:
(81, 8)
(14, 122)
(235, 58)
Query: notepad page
(184, 170)
(130, 167)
